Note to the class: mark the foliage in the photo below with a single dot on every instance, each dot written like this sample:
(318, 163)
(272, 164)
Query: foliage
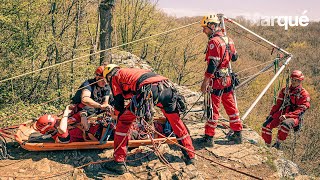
(38, 34)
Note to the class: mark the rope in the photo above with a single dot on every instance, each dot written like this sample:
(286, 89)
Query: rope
(50, 100)
(179, 44)
(184, 114)
(177, 40)
(158, 153)
(66, 95)
(70, 171)
(200, 155)
(256, 66)
(108, 160)
(159, 53)
(124, 44)
(294, 143)
(265, 69)
(247, 77)
(275, 90)
(250, 38)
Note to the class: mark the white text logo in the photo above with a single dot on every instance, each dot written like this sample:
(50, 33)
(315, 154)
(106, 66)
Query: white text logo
(285, 21)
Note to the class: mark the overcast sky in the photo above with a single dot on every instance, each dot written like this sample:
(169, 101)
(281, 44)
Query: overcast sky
(252, 9)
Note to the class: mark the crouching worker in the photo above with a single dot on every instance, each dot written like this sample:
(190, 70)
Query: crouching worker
(145, 89)
(286, 114)
(91, 98)
(66, 130)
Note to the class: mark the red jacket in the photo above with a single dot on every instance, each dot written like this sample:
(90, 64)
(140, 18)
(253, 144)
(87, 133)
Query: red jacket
(215, 50)
(123, 84)
(299, 102)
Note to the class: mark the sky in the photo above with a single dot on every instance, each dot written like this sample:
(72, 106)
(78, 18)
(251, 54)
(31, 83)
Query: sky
(251, 9)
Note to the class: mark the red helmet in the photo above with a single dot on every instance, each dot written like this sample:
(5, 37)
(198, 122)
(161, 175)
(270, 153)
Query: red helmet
(296, 74)
(45, 123)
(99, 71)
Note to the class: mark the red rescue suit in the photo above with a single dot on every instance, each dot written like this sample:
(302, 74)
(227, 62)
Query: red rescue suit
(125, 84)
(297, 102)
(218, 57)
(74, 133)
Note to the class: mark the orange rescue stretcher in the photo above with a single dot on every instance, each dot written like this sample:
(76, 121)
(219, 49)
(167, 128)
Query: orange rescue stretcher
(25, 131)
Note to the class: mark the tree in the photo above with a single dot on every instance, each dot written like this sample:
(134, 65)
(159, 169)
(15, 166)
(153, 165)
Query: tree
(105, 28)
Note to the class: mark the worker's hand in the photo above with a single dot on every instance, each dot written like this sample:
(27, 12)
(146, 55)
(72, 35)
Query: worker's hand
(282, 117)
(113, 114)
(204, 87)
(105, 107)
(68, 109)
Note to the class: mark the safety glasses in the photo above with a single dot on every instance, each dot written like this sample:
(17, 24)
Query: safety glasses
(295, 80)
(99, 75)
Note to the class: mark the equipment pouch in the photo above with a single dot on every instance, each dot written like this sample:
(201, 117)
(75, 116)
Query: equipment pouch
(235, 80)
(181, 103)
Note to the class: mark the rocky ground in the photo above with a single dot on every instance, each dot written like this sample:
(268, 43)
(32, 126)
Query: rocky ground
(248, 157)
(251, 157)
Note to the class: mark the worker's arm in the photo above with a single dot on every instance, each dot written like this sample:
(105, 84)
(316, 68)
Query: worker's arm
(88, 101)
(63, 126)
(205, 84)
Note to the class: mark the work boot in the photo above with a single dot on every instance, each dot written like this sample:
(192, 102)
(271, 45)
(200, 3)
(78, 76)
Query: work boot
(117, 167)
(189, 161)
(208, 141)
(185, 156)
(276, 145)
(268, 145)
(236, 137)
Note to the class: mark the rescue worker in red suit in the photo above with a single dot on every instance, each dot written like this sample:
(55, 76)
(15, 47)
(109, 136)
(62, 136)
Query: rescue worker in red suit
(217, 81)
(92, 97)
(131, 83)
(61, 131)
(286, 114)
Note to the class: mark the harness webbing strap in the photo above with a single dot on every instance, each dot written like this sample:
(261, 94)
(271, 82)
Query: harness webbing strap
(144, 77)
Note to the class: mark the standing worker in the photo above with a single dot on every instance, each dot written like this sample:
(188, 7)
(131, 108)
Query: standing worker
(218, 81)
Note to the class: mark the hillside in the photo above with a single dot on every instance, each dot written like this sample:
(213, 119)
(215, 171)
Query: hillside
(250, 157)
(50, 34)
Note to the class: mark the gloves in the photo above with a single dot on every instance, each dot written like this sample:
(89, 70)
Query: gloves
(268, 120)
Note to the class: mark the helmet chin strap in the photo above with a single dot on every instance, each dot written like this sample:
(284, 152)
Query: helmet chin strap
(212, 30)
(112, 73)
(44, 128)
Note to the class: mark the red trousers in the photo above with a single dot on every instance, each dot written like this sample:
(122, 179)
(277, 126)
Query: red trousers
(125, 121)
(230, 107)
(76, 134)
(283, 130)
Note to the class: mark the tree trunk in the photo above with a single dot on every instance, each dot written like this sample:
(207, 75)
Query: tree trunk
(75, 45)
(105, 9)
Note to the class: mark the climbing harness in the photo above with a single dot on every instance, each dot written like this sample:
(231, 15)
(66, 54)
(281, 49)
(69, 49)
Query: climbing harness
(142, 103)
(286, 99)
